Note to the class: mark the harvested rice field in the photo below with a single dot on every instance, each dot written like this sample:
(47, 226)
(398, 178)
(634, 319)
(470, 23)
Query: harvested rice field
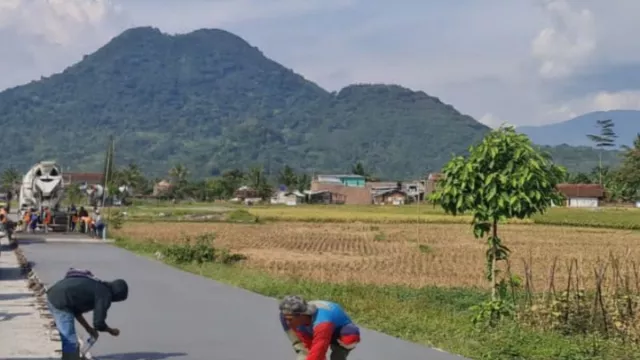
(402, 254)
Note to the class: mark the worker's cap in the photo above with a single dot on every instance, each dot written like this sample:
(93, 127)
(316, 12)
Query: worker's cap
(296, 305)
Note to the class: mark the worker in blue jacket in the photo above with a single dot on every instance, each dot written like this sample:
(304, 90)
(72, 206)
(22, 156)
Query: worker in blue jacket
(315, 326)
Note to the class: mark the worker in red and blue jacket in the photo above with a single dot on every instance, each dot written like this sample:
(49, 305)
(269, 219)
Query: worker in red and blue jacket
(315, 326)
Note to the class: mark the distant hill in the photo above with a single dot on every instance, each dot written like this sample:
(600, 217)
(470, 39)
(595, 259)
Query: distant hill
(574, 132)
(211, 101)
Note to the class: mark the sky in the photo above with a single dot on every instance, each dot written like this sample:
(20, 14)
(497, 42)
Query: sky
(523, 62)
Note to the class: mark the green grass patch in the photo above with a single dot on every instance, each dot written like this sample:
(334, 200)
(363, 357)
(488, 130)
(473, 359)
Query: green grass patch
(605, 217)
(432, 316)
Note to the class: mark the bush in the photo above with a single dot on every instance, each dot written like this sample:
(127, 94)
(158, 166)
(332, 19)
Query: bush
(242, 216)
(116, 220)
(200, 251)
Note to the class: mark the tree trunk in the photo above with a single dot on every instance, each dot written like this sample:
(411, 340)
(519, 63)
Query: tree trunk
(494, 249)
(600, 165)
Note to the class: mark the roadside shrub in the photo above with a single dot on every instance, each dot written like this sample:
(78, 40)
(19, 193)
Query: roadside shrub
(199, 250)
(116, 220)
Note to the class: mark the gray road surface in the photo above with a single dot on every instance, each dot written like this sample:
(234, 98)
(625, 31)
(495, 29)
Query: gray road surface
(171, 314)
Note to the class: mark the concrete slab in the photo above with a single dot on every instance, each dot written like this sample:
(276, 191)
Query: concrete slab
(26, 238)
(171, 314)
(22, 331)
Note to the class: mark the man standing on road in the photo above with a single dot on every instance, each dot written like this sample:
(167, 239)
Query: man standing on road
(80, 292)
(9, 198)
(315, 326)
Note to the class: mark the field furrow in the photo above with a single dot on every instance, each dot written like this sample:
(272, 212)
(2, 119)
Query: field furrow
(409, 254)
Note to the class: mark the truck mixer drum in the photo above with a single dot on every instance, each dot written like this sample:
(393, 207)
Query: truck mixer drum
(43, 186)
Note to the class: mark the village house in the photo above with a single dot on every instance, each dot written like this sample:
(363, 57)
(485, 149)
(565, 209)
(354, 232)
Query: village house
(392, 197)
(413, 190)
(342, 189)
(161, 188)
(350, 180)
(432, 181)
(325, 197)
(285, 197)
(582, 195)
(355, 190)
(247, 195)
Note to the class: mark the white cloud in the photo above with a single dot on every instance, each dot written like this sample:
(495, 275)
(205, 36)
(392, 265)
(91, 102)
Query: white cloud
(492, 121)
(567, 43)
(598, 101)
(40, 37)
(619, 100)
(182, 16)
(57, 21)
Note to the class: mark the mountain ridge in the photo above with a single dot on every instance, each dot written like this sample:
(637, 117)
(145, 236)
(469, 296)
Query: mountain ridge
(574, 131)
(210, 100)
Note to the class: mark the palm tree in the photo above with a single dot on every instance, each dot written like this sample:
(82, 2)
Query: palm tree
(179, 175)
(258, 182)
(132, 177)
(288, 177)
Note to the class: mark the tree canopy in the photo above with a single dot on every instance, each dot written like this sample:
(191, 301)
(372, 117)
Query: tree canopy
(503, 177)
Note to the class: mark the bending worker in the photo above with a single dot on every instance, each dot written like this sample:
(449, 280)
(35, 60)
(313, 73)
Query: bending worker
(80, 292)
(315, 326)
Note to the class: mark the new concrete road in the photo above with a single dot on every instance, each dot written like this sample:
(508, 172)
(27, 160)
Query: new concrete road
(171, 314)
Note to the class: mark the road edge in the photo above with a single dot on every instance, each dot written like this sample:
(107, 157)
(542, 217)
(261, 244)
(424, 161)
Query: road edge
(39, 290)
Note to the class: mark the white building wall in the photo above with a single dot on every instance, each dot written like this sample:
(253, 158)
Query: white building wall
(583, 202)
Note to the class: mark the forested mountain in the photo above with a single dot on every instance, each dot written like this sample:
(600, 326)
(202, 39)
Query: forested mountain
(211, 101)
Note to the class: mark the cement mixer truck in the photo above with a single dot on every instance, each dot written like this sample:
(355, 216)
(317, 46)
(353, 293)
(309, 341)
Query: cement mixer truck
(43, 186)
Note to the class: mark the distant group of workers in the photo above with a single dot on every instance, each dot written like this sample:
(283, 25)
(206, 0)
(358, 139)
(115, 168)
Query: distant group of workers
(85, 223)
(32, 217)
(80, 220)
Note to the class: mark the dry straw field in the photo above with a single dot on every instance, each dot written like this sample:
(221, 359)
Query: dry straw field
(403, 254)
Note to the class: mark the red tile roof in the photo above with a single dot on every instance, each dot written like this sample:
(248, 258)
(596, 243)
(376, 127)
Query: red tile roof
(581, 190)
(91, 178)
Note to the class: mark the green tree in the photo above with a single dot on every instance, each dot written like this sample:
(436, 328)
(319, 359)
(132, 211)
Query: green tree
(73, 194)
(629, 172)
(215, 189)
(179, 178)
(304, 182)
(579, 178)
(230, 182)
(606, 139)
(132, 177)
(288, 177)
(258, 181)
(358, 169)
(10, 177)
(503, 177)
